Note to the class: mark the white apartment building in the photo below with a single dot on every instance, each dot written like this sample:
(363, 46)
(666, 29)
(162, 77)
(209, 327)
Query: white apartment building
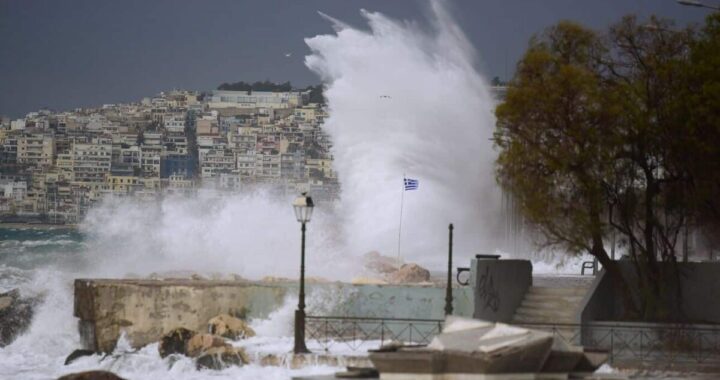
(150, 159)
(216, 161)
(174, 123)
(255, 99)
(91, 161)
(35, 150)
(246, 164)
(267, 166)
(14, 190)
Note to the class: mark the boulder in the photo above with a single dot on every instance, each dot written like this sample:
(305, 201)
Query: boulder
(175, 342)
(15, 315)
(409, 273)
(367, 281)
(91, 375)
(221, 357)
(203, 342)
(230, 327)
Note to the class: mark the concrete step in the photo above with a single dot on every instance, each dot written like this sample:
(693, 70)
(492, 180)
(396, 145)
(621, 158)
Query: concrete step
(555, 304)
(568, 292)
(545, 314)
(540, 298)
(522, 318)
(551, 305)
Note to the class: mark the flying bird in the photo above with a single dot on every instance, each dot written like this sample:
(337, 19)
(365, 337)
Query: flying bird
(385, 97)
(288, 55)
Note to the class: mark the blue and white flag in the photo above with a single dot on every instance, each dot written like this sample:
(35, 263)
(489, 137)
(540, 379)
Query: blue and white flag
(411, 184)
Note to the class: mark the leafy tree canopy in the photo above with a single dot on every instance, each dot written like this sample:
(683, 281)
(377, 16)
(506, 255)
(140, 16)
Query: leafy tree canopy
(616, 133)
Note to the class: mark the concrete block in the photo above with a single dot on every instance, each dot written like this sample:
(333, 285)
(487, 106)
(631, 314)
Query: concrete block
(500, 286)
(147, 309)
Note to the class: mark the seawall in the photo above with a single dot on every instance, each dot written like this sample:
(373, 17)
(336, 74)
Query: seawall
(147, 309)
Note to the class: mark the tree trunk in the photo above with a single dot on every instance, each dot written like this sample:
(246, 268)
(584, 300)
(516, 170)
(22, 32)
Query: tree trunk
(618, 280)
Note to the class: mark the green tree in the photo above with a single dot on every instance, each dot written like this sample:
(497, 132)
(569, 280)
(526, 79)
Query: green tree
(699, 114)
(592, 141)
(648, 186)
(553, 130)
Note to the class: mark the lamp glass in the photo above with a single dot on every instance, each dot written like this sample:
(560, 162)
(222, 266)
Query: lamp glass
(303, 207)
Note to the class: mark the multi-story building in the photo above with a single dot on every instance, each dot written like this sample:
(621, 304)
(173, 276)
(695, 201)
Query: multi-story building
(35, 150)
(255, 99)
(168, 143)
(12, 189)
(216, 161)
(150, 159)
(123, 185)
(91, 161)
(246, 164)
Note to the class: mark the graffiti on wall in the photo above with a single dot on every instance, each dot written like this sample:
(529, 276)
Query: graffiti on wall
(487, 292)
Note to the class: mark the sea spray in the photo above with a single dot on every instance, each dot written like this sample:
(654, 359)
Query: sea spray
(252, 235)
(407, 101)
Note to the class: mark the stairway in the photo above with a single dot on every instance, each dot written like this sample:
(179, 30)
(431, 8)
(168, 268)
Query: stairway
(551, 306)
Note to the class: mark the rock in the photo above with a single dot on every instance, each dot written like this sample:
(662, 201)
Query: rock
(221, 357)
(230, 327)
(78, 354)
(15, 315)
(203, 342)
(409, 273)
(367, 281)
(91, 375)
(175, 342)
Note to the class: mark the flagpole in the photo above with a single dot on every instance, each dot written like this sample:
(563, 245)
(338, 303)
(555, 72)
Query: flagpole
(402, 200)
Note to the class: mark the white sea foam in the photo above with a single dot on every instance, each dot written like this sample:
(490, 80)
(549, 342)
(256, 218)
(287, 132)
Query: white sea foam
(406, 100)
(251, 235)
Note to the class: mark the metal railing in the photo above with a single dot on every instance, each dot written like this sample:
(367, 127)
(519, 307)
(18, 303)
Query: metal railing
(638, 344)
(629, 344)
(355, 332)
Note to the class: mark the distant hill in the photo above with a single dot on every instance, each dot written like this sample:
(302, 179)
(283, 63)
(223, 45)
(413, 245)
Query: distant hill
(316, 92)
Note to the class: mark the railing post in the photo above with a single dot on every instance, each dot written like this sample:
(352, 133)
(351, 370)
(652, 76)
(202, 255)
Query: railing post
(382, 332)
(612, 345)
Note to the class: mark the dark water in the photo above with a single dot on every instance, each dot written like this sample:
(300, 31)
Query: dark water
(32, 247)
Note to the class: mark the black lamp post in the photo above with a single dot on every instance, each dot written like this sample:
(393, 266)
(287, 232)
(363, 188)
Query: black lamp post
(448, 290)
(303, 206)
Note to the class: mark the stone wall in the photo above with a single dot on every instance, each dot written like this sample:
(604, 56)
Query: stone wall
(699, 288)
(500, 286)
(147, 309)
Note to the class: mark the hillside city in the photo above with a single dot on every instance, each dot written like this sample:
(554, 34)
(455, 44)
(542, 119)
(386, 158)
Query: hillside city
(55, 165)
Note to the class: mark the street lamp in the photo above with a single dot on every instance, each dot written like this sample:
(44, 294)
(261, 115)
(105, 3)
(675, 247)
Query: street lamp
(303, 206)
(697, 3)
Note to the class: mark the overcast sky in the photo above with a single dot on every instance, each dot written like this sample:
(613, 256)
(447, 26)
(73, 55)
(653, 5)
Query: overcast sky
(63, 54)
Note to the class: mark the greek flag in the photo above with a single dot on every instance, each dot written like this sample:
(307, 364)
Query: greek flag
(411, 184)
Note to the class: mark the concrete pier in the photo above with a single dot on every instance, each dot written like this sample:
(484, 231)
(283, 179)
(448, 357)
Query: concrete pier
(147, 309)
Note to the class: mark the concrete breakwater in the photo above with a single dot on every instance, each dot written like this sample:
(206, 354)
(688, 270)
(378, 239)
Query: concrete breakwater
(145, 310)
